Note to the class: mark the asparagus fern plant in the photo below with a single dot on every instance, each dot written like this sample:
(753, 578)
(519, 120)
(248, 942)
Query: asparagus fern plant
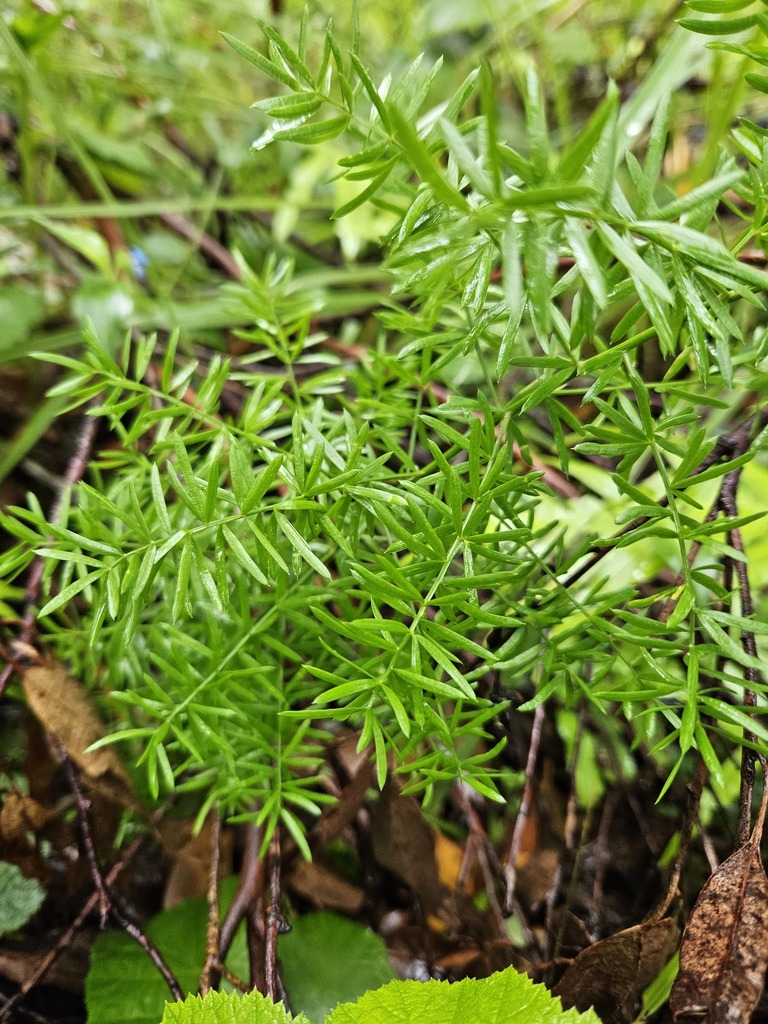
(505, 495)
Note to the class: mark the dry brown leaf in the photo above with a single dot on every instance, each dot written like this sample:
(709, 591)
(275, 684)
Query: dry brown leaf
(191, 851)
(64, 709)
(324, 889)
(724, 953)
(67, 971)
(405, 844)
(611, 974)
(20, 815)
(449, 857)
(536, 877)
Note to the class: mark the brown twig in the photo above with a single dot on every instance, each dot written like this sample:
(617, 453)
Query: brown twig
(105, 897)
(248, 904)
(254, 933)
(250, 884)
(510, 869)
(570, 852)
(602, 859)
(695, 788)
(212, 954)
(205, 243)
(232, 978)
(750, 674)
(479, 846)
(275, 922)
(53, 954)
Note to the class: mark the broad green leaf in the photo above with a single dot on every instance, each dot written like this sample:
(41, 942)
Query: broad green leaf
(123, 986)
(328, 959)
(505, 998)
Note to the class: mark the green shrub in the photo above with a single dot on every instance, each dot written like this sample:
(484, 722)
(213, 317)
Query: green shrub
(386, 534)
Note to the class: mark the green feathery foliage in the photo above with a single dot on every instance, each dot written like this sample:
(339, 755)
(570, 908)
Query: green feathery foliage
(386, 534)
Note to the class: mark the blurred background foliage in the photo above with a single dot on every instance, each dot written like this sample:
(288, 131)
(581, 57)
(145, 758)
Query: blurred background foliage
(142, 108)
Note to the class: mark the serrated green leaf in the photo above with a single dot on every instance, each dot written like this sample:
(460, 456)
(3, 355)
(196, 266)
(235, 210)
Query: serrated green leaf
(507, 997)
(229, 1008)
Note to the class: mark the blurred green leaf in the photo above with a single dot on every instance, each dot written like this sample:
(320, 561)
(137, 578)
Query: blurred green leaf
(328, 959)
(20, 898)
